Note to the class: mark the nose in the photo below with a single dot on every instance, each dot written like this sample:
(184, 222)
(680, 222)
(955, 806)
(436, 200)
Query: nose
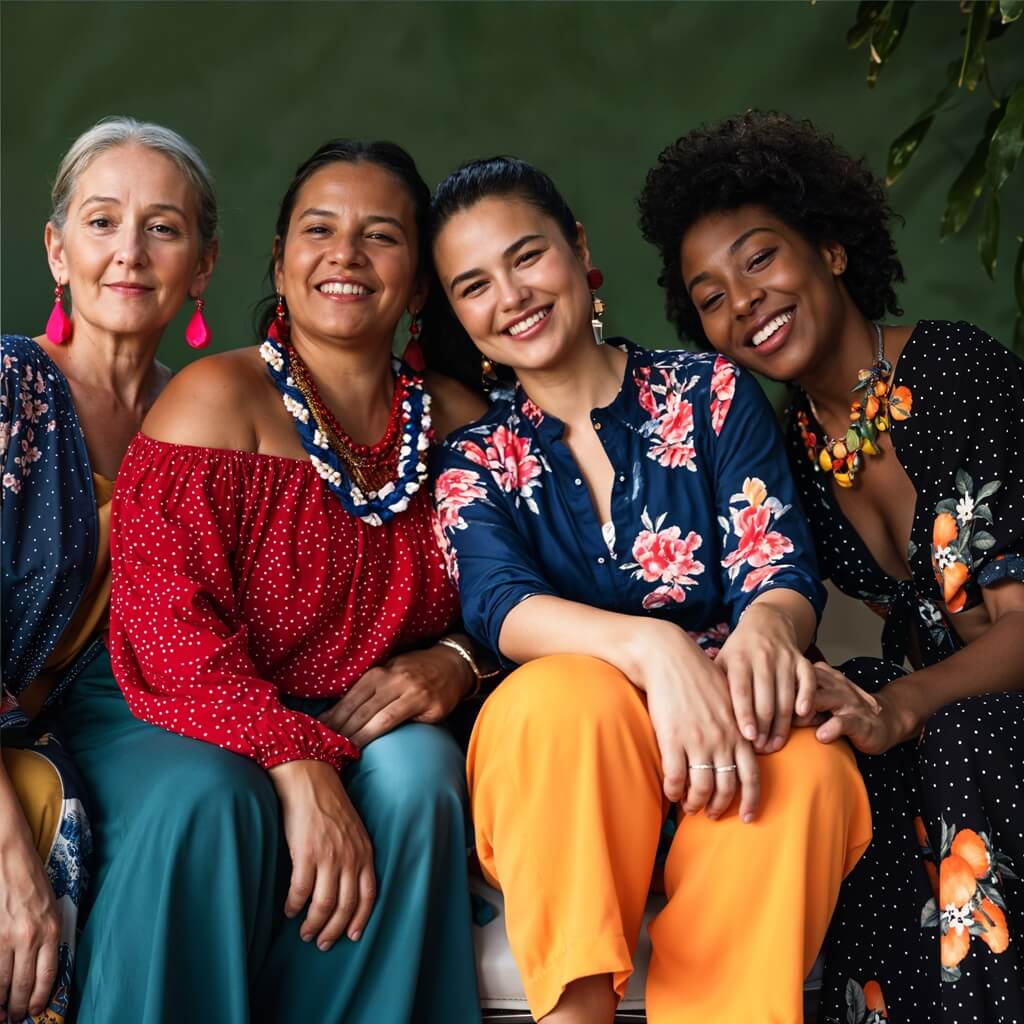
(348, 251)
(131, 249)
(746, 297)
(512, 294)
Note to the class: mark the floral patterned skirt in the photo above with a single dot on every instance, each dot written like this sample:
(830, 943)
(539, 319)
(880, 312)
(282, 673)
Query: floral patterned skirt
(929, 925)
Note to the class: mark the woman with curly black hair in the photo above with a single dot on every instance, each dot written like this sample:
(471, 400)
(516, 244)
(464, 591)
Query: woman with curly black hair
(906, 441)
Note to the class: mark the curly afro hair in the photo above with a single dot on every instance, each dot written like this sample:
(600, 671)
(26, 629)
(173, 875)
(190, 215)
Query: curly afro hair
(793, 170)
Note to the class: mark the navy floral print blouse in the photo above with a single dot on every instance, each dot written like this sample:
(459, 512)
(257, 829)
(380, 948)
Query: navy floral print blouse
(704, 511)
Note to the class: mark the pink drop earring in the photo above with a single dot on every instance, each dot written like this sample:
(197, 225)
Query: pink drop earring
(59, 326)
(413, 354)
(198, 333)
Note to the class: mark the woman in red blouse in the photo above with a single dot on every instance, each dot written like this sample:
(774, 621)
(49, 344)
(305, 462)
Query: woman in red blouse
(278, 599)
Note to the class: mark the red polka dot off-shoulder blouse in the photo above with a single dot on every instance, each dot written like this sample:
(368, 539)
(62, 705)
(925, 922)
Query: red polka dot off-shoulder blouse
(239, 577)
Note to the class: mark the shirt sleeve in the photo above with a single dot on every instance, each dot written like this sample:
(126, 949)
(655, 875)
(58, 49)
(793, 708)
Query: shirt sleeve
(488, 557)
(178, 646)
(766, 541)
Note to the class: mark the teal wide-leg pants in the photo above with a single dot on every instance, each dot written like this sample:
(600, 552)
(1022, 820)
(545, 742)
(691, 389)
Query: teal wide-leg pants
(185, 918)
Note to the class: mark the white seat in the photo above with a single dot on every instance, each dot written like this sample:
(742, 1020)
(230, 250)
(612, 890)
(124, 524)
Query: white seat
(501, 988)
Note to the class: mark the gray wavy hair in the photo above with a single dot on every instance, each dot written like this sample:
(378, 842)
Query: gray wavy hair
(120, 131)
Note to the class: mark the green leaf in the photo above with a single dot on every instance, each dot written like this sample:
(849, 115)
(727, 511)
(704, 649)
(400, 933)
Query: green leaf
(1007, 140)
(972, 64)
(987, 490)
(867, 14)
(1018, 277)
(983, 512)
(951, 974)
(930, 915)
(890, 28)
(946, 505)
(852, 440)
(856, 1005)
(988, 235)
(903, 148)
(964, 483)
(983, 541)
(1011, 10)
(911, 550)
(970, 182)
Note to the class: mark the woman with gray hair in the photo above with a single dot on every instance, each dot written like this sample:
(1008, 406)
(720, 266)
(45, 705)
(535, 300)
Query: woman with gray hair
(132, 236)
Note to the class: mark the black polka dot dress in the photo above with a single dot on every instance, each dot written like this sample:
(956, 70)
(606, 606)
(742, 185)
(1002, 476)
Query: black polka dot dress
(930, 925)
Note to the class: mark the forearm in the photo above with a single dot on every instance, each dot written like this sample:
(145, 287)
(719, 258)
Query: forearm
(544, 625)
(795, 610)
(15, 834)
(994, 663)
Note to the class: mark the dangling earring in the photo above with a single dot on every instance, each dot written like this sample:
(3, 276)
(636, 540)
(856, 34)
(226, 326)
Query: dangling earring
(279, 327)
(413, 354)
(59, 326)
(595, 279)
(198, 333)
(488, 378)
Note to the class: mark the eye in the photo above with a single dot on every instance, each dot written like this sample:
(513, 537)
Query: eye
(165, 230)
(710, 302)
(380, 236)
(99, 222)
(472, 289)
(761, 258)
(526, 258)
(318, 230)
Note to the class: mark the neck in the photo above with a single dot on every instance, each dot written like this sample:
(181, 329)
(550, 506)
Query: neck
(354, 379)
(118, 364)
(828, 382)
(588, 378)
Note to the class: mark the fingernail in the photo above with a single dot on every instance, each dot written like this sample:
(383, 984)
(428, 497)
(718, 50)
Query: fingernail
(749, 732)
(761, 737)
(777, 743)
(355, 936)
(323, 946)
(306, 936)
(747, 818)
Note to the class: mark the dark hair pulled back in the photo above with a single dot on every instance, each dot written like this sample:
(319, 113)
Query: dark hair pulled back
(388, 155)
(446, 345)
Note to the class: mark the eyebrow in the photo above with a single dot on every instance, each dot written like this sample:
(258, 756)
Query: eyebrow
(697, 279)
(510, 251)
(117, 202)
(374, 218)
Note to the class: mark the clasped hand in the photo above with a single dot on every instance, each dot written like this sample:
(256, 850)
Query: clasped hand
(419, 686)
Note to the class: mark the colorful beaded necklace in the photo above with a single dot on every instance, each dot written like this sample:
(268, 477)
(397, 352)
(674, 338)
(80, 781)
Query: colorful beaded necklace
(373, 483)
(873, 413)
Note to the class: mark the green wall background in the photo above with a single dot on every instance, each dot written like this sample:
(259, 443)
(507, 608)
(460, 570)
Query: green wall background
(589, 91)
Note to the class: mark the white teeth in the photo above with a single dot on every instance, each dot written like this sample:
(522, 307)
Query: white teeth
(530, 321)
(337, 288)
(771, 327)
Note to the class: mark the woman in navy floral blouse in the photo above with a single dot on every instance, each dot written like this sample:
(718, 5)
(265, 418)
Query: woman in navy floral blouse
(622, 526)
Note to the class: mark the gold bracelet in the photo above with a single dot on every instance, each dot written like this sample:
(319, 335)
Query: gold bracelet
(463, 652)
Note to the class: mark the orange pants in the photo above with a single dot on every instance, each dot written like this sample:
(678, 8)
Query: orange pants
(565, 781)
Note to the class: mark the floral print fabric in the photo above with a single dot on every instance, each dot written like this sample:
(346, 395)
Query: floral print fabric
(934, 912)
(702, 503)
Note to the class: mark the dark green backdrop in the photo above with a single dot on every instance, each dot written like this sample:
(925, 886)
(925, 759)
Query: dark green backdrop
(590, 92)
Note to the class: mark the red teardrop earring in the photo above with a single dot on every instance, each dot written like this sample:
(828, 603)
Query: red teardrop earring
(594, 280)
(279, 327)
(198, 333)
(59, 326)
(413, 354)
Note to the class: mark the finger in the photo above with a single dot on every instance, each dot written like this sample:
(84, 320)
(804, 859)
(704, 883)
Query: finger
(387, 718)
(22, 983)
(725, 786)
(742, 693)
(764, 704)
(785, 698)
(700, 787)
(6, 971)
(323, 903)
(673, 768)
(806, 684)
(367, 897)
(348, 901)
(300, 886)
(749, 778)
(362, 690)
(836, 726)
(46, 975)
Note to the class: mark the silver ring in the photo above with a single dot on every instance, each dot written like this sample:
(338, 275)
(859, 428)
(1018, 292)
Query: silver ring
(701, 767)
(725, 768)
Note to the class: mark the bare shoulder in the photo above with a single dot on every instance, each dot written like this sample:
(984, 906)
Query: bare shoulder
(454, 405)
(214, 402)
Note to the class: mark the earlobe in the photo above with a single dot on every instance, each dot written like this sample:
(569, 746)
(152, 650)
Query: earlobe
(54, 244)
(835, 256)
(582, 249)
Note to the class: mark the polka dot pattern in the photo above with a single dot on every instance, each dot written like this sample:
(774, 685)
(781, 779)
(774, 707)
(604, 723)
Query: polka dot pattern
(967, 772)
(238, 577)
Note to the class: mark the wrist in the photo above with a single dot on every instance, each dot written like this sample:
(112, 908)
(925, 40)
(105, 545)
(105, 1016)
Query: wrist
(462, 657)
(903, 703)
(643, 636)
(765, 617)
(292, 778)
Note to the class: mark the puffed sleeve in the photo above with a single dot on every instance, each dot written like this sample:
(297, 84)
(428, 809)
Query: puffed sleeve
(488, 557)
(766, 541)
(178, 647)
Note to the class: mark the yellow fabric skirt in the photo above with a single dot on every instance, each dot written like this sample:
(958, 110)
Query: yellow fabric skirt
(566, 787)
